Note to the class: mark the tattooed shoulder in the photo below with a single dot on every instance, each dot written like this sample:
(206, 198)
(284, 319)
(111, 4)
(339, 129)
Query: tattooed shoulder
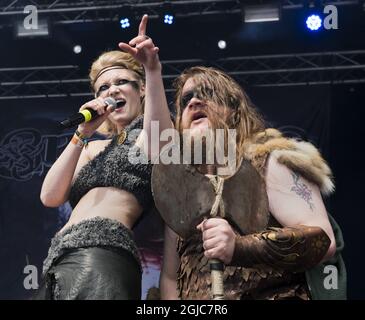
(302, 190)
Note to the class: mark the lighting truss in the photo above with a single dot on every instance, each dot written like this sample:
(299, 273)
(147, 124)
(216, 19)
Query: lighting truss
(66, 12)
(340, 67)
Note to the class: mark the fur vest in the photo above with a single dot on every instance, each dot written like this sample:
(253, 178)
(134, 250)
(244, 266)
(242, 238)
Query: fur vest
(256, 283)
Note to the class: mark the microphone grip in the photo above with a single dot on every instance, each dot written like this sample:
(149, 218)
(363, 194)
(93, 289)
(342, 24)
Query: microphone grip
(83, 116)
(87, 114)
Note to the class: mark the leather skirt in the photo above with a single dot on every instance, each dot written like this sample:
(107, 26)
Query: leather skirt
(94, 273)
(94, 259)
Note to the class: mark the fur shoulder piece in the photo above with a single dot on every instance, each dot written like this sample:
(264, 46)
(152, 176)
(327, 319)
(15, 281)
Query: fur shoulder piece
(299, 156)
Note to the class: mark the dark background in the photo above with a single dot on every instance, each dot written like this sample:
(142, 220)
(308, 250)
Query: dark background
(329, 115)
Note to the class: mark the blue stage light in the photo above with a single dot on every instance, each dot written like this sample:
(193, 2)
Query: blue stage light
(124, 23)
(314, 22)
(168, 19)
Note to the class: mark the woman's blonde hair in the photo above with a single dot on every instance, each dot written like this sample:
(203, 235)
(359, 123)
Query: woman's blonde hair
(109, 59)
(223, 91)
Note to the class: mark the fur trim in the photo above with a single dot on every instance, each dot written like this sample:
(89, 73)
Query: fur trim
(299, 156)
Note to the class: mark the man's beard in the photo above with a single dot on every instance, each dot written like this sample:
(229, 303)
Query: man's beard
(198, 146)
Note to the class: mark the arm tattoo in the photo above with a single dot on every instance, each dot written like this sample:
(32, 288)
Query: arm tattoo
(302, 190)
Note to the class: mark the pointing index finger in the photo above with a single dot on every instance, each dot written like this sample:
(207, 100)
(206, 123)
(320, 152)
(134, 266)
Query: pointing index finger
(143, 25)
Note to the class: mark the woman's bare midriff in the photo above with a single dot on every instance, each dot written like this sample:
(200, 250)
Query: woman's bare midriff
(106, 202)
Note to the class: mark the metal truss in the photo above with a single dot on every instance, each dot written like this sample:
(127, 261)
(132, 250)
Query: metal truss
(339, 67)
(298, 4)
(44, 81)
(66, 12)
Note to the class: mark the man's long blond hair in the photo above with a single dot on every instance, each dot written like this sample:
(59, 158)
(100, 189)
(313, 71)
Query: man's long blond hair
(224, 91)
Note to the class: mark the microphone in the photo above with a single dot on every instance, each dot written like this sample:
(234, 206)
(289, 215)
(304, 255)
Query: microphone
(87, 114)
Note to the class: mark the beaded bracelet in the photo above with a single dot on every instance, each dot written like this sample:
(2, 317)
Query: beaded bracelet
(84, 139)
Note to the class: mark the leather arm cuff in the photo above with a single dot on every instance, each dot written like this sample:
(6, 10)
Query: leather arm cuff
(296, 248)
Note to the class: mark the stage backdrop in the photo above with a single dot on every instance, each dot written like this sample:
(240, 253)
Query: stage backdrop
(30, 141)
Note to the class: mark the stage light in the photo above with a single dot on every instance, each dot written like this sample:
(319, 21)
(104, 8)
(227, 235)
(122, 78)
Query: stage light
(168, 19)
(222, 44)
(77, 49)
(41, 29)
(314, 22)
(124, 23)
(261, 12)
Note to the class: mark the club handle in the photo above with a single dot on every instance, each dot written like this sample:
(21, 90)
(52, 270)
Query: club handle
(216, 273)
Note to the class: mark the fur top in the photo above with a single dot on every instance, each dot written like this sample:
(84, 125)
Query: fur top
(299, 156)
(121, 166)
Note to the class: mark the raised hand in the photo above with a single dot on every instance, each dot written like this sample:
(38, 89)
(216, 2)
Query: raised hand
(142, 48)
